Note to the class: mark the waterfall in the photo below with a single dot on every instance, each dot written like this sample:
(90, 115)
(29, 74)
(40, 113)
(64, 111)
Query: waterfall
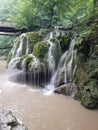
(51, 59)
(70, 61)
(62, 67)
(66, 68)
(18, 51)
(50, 56)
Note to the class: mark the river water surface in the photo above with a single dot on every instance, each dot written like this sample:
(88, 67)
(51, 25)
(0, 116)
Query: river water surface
(43, 112)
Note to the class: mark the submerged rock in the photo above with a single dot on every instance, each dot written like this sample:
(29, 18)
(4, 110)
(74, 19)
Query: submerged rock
(9, 122)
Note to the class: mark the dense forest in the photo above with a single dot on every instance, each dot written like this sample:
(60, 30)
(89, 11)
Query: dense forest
(46, 13)
(81, 16)
(40, 14)
(37, 14)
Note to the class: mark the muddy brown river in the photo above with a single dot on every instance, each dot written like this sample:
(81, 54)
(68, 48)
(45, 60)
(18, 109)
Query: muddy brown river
(39, 111)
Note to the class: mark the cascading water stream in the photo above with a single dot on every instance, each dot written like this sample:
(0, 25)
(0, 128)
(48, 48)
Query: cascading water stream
(17, 53)
(57, 31)
(70, 63)
(51, 57)
(67, 65)
(19, 50)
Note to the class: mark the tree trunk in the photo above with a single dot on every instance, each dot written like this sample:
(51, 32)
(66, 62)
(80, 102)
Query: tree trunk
(51, 13)
(95, 4)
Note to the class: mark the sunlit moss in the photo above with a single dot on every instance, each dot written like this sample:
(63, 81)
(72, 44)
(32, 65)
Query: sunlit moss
(33, 38)
(40, 50)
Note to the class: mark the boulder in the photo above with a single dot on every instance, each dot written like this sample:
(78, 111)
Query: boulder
(9, 122)
(89, 97)
(66, 89)
(86, 77)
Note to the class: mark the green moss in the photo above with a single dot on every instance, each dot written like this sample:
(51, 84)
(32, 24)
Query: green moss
(26, 59)
(40, 50)
(33, 38)
(79, 60)
(42, 32)
(83, 35)
(9, 58)
(64, 42)
(90, 97)
(79, 40)
(36, 67)
(78, 96)
(96, 50)
(87, 79)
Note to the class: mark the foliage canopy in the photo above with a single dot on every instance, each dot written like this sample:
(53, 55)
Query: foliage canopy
(45, 13)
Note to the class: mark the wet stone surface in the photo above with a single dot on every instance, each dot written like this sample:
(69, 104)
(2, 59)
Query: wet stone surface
(66, 89)
(9, 122)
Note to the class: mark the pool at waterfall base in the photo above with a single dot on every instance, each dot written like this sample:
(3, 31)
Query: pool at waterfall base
(39, 111)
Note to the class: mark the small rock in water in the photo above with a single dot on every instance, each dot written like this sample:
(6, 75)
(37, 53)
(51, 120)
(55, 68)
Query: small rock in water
(6, 117)
(9, 122)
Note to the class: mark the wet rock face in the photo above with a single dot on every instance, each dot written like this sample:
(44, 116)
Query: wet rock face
(87, 76)
(9, 122)
(67, 89)
(89, 97)
(64, 42)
